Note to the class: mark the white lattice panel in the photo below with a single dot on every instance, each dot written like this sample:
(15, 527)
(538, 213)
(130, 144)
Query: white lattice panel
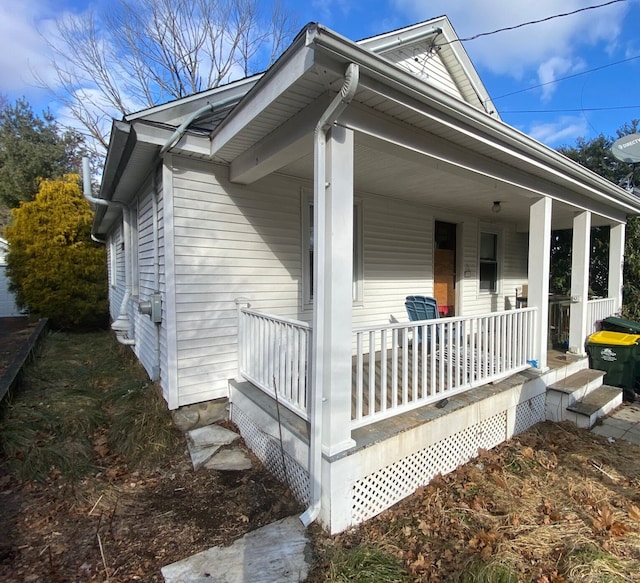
(529, 413)
(267, 449)
(383, 488)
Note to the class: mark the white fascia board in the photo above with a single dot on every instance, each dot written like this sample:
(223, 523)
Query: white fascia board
(291, 141)
(190, 143)
(474, 123)
(428, 149)
(173, 111)
(390, 41)
(291, 66)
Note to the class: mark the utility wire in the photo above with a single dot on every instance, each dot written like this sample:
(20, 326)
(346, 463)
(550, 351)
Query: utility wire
(570, 110)
(474, 37)
(568, 76)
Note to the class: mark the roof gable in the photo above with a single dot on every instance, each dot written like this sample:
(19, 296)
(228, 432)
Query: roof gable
(432, 52)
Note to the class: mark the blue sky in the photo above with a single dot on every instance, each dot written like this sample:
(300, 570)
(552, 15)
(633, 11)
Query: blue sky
(584, 46)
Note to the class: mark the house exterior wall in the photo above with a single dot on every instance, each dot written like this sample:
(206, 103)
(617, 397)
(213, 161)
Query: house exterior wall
(115, 268)
(146, 282)
(229, 241)
(426, 66)
(234, 241)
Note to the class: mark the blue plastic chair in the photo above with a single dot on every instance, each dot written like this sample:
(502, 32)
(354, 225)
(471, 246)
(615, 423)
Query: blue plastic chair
(422, 308)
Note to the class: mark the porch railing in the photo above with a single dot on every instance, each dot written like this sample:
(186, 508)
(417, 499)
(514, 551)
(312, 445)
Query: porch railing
(598, 310)
(399, 367)
(274, 355)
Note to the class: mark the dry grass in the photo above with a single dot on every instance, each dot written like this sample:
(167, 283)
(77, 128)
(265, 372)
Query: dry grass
(83, 400)
(556, 504)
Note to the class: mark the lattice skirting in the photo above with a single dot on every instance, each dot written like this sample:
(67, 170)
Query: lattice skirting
(383, 488)
(267, 448)
(529, 413)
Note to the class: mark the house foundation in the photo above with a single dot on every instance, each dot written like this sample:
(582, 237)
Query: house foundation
(394, 457)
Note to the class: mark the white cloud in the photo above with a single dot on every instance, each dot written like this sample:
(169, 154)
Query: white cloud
(552, 69)
(23, 50)
(517, 51)
(565, 130)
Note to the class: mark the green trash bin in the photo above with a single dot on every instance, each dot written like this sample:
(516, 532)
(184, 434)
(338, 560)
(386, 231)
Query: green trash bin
(614, 324)
(618, 354)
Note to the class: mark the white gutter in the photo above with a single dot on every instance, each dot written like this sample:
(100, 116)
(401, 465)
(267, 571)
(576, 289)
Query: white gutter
(121, 326)
(328, 118)
(506, 138)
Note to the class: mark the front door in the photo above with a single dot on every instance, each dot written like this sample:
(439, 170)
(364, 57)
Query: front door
(444, 267)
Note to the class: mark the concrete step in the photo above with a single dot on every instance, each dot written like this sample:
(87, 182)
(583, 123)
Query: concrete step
(566, 391)
(598, 403)
(209, 448)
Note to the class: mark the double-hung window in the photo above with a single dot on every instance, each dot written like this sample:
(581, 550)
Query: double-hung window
(488, 262)
(308, 239)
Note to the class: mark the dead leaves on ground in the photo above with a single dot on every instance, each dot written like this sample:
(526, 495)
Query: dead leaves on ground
(531, 500)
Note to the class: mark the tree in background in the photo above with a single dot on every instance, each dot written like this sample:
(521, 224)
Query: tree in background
(596, 155)
(55, 269)
(32, 148)
(140, 53)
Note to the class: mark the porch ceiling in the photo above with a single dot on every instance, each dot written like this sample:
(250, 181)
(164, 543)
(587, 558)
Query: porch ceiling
(412, 142)
(395, 175)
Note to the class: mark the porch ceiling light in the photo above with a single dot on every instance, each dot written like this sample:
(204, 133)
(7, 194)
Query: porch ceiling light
(496, 208)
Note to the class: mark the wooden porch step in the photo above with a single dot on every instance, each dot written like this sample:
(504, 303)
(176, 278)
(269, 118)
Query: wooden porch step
(598, 403)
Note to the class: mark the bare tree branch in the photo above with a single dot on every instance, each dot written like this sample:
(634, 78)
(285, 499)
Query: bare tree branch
(145, 52)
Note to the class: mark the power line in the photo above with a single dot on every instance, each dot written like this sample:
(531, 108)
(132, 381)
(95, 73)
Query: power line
(568, 76)
(474, 37)
(579, 110)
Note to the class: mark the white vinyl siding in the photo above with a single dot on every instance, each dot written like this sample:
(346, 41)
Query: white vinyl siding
(427, 66)
(230, 241)
(116, 270)
(147, 340)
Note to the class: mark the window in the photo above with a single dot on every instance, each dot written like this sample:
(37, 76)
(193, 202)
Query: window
(308, 238)
(113, 261)
(488, 262)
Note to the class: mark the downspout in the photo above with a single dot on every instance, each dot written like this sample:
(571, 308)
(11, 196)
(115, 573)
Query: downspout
(121, 326)
(328, 118)
(196, 115)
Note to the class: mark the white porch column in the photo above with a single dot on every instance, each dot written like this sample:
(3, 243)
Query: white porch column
(539, 262)
(616, 262)
(334, 291)
(580, 253)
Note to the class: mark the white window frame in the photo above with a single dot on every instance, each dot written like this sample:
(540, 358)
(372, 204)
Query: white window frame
(358, 254)
(496, 234)
(113, 261)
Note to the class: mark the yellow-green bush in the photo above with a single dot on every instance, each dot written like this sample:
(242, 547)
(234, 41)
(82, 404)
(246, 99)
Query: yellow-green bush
(56, 270)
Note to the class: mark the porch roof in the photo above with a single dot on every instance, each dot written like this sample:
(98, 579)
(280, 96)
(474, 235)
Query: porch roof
(413, 140)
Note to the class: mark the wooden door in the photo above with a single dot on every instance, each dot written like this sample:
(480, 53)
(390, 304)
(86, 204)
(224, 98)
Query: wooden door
(444, 267)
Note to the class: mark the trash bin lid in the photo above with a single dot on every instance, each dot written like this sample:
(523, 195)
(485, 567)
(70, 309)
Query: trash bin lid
(617, 324)
(614, 338)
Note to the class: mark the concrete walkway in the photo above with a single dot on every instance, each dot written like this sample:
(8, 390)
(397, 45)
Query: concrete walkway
(623, 423)
(277, 553)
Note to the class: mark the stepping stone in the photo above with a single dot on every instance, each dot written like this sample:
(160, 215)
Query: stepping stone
(277, 553)
(229, 459)
(204, 442)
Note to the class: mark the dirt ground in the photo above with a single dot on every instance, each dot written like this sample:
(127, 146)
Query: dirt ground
(119, 526)
(129, 525)
(556, 504)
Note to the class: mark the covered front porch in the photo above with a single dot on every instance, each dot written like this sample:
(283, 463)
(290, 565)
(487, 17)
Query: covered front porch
(420, 399)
